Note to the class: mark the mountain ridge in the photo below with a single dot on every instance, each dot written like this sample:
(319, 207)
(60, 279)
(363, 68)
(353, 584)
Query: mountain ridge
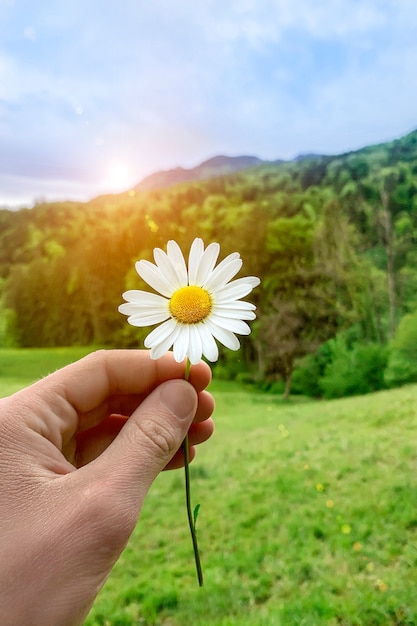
(211, 168)
(222, 165)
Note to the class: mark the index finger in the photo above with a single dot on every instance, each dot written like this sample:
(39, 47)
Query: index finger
(77, 396)
(87, 383)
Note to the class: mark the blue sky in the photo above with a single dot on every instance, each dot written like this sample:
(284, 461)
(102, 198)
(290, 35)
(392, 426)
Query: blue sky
(95, 95)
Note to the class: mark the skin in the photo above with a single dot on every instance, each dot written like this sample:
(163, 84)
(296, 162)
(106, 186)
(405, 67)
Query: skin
(79, 451)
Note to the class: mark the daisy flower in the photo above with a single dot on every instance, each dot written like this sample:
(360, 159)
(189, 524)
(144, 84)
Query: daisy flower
(194, 306)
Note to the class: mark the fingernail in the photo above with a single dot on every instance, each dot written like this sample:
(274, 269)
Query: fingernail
(179, 397)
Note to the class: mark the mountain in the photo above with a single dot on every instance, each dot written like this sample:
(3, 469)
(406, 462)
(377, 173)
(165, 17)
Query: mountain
(307, 157)
(404, 148)
(217, 166)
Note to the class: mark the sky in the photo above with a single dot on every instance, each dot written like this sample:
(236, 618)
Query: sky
(97, 94)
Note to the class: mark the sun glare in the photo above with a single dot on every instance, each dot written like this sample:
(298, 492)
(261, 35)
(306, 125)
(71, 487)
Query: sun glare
(119, 176)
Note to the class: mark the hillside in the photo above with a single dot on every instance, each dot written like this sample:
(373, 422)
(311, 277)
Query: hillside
(333, 239)
(403, 149)
(375, 157)
(307, 515)
(216, 166)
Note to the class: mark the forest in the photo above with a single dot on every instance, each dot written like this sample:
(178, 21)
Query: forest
(333, 239)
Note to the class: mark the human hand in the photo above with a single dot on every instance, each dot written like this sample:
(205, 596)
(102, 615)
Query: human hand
(78, 453)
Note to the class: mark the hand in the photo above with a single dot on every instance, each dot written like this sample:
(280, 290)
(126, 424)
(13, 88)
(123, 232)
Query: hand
(78, 453)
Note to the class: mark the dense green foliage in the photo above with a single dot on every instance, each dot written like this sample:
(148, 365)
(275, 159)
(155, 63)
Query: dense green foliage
(307, 516)
(332, 238)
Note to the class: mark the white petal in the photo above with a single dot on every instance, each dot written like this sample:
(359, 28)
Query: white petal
(154, 277)
(142, 319)
(168, 271)
(161, 333)
(225, 337)
(210, 349)
(177, 260)
(181, 343)
(128, 309)
(207, 263)
(162, 348)
(233, 291)
(234, 325)
(236, 305)
(194, 258)
(195, 346)
(144, 298)
(136, 309)
(237, 314)
(253, 281)
(161, 344)
(223, 273)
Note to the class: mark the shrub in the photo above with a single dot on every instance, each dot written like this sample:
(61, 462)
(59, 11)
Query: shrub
(355, 371)
(402, 359)
(306, 377)
(9, 332)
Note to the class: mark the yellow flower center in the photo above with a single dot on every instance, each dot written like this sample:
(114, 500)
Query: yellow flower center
(190, 305)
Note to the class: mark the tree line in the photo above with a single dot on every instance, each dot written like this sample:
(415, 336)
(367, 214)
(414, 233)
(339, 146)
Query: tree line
(333, 240)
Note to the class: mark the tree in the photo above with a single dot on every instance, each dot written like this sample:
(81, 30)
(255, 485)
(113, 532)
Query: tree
(402, 360)
(294, 328)
(385, 218)
(396, 190)
(307, 287)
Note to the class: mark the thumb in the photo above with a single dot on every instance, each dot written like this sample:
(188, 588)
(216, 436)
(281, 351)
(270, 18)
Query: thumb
(151, 436)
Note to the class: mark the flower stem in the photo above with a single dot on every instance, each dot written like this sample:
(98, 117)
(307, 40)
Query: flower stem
(191, 517)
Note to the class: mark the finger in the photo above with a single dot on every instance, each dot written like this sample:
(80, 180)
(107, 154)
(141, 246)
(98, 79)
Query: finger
(93, 442)
(200, 376)
(205, 406)
(91, 380)
(198, 433)
(94, 439)
(82, 394)
(126, 405)
(149, 439)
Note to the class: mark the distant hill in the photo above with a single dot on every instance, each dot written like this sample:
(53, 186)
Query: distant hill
(217, 166)
(306, 157)
(379, 155)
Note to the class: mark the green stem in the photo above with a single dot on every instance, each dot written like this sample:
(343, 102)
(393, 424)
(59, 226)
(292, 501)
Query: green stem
(191, 520)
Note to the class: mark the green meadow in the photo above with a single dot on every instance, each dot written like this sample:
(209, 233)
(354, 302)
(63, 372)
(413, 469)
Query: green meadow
(20, 367)
(308, 515)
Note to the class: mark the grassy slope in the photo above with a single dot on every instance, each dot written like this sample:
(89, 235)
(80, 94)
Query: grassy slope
(19, 368)
(308, 516)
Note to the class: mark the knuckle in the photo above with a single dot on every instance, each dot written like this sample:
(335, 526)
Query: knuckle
(157, 434)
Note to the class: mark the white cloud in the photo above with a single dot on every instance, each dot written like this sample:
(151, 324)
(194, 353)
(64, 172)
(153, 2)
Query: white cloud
(30, 33)
(19, 191)
(261, 22)
(159, 84)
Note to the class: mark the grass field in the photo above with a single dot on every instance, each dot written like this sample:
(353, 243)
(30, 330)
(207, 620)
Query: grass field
(19, 368)
(308, 516)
